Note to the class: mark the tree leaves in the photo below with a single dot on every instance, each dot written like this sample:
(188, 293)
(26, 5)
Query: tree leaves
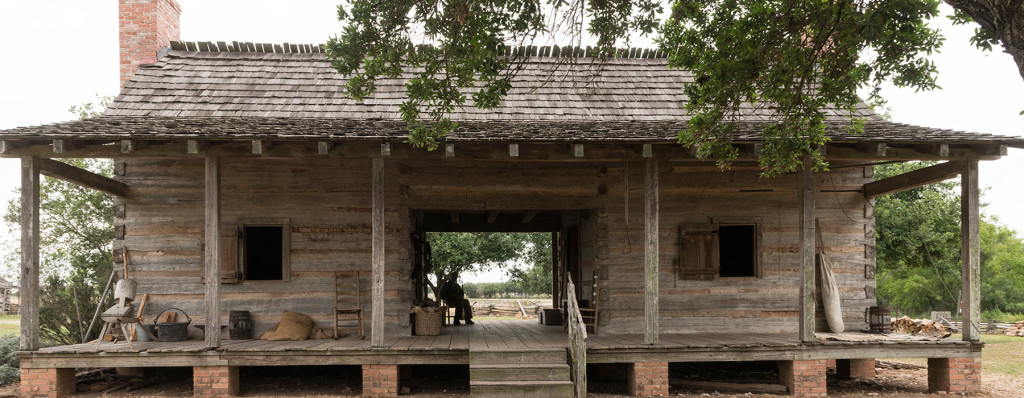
(790, 62)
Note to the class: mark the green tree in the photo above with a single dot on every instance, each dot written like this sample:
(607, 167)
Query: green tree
(534, 277)
(918, 251)
(76, 227)
(918, 244)
(788, 59)
(470, 251)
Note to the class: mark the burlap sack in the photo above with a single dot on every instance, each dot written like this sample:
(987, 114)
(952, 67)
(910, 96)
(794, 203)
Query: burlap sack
(293, 326)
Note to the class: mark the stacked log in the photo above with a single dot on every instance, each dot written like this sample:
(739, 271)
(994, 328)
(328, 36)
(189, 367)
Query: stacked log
(929, 327)
(1016, 330)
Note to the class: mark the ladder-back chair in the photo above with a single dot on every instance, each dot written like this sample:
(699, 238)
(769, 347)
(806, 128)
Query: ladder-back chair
(589, 315)
(348, 306)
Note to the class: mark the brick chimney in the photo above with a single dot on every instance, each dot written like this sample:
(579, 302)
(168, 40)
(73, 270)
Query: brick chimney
(145, 26)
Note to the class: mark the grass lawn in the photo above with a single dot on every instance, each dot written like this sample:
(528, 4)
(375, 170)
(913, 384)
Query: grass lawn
(9, 324)
(1002, 354)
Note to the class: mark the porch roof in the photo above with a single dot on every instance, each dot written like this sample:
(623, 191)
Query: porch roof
(341, 129)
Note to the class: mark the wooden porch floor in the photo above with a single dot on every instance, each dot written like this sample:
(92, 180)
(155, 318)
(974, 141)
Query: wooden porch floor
(455, 343)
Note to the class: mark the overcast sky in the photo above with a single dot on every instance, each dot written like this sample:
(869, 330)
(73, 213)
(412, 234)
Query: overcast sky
(60, 53)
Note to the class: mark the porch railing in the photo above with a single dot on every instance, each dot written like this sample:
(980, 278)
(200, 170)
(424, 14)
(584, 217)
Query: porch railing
(577, 343)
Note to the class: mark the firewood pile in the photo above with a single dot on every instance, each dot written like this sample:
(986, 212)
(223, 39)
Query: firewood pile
(1016, 330)
(927, 327)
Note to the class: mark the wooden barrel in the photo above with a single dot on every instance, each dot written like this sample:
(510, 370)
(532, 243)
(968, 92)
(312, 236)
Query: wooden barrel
(880, 319)
(239, 325)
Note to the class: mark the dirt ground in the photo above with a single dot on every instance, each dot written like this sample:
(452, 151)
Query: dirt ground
(892, 381)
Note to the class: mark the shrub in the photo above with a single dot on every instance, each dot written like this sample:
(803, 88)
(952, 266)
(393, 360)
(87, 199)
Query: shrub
(9, 367)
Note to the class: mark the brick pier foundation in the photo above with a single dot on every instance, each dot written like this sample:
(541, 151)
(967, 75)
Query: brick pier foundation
(380, 380)
(856, 368)
(649, 379)
(804, 378)
(956, 375)
(47, 382)
(215, 381)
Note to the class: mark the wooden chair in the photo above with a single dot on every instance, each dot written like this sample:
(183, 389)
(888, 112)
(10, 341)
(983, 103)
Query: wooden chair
(590, 314)
(348, 306)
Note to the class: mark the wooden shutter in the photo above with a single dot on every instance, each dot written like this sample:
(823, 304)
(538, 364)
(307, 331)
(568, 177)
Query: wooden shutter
(698, 259)
(229, 269)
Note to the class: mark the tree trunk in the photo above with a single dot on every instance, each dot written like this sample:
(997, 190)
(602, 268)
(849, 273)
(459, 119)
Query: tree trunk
(1005, 18)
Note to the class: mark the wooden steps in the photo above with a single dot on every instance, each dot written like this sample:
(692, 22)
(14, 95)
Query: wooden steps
(536, 373)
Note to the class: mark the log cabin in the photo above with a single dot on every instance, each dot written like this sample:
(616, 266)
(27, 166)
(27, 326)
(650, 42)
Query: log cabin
(246, 180)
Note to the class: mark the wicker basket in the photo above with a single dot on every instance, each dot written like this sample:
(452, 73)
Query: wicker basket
(428, 323)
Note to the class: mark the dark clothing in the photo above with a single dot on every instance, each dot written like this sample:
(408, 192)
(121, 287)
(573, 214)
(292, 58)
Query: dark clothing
(463, 310)
(454, 296)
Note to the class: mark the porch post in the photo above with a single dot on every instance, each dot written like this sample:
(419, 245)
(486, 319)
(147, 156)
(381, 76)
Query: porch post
(651, 251)
(806, 187)
(377, 257)
(212, 252)
(556, 283)
(29, 253)
(970, 240)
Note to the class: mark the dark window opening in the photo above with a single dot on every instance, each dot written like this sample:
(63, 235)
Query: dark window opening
(263, 253)
(736, 251)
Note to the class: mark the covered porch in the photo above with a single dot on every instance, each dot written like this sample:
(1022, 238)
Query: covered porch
(802, 365)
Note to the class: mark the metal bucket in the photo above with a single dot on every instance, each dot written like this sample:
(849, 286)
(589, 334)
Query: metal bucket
(879, 319)
(141, 335)
(172, 331)
(239, 325)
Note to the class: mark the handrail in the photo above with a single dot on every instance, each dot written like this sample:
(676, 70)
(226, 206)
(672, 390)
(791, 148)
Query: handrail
(577, 342)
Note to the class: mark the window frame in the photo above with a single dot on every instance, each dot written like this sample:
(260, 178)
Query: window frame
(241, 265)
(700, 242)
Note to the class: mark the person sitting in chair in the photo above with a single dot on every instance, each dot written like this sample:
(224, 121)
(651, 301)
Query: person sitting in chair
(452, 293)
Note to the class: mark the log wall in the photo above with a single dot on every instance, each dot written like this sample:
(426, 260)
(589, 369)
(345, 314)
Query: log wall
(327, 203)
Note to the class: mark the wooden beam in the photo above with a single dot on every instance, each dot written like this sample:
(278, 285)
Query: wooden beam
(513, 150)
(260, 147)
(193, 147)
(85, 178)
(807, 214)
(377, 256)
(212, 251)
(449, 150)
(64, 146)
(970, 251)
(129, 146)
(913, 179)
(529, 217)
(577, 150)
(323, 148)
(941, 150)
(651, 245)
(29, 285)
(8, 147)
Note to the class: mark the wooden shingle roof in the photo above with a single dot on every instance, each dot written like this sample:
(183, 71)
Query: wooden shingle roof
(304, 85)
(202, 90)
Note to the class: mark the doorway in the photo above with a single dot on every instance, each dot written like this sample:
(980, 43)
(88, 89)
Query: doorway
(555, 235)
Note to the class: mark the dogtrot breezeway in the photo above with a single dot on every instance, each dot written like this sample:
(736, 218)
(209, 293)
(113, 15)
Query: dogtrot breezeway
(501, 349)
